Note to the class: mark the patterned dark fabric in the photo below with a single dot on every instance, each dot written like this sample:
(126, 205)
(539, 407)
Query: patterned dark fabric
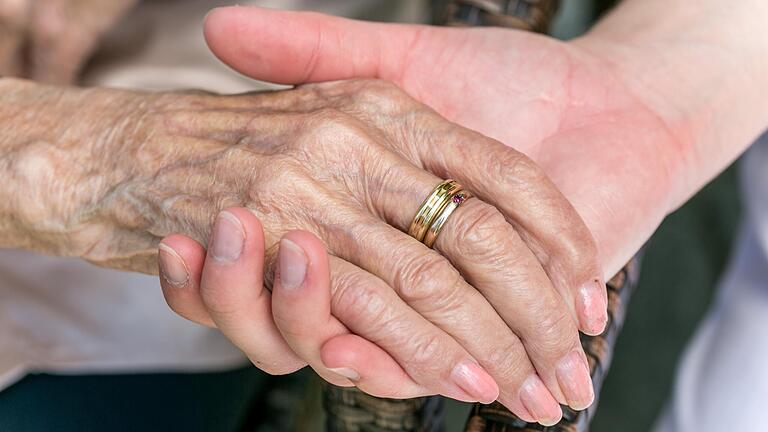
(350, 410)
(531, 15)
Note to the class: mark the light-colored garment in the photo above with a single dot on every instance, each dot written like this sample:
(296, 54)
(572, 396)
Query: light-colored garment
(722, 381)
(66, 316)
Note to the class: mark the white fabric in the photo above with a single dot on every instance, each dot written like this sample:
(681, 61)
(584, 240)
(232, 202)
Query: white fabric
(65, 316)
(722, 381)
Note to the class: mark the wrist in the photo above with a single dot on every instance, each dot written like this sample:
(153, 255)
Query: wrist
(61, 153)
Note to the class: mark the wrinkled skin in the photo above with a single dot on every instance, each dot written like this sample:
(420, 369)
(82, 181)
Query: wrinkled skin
(349, 162)
(50, 40)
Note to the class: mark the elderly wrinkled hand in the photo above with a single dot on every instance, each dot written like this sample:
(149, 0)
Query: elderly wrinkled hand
(495, 304)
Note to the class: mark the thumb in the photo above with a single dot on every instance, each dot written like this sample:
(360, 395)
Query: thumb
(298, 47)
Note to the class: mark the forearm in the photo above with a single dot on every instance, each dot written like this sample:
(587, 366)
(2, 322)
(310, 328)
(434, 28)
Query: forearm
(702, 67)
(55, 145)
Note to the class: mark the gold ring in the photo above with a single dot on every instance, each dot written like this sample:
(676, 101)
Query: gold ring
(431, 207)
(456, 200)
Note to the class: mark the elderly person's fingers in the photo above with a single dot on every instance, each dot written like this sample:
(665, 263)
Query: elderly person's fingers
(375, 371)
(502, 262)
(534, 239)
(492, 258)
(301, 305)
(369, 308)
(543, 217)
(538, 316)
(505, 178)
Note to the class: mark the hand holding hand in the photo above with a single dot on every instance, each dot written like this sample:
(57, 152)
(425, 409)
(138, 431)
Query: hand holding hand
(351, 163)
(564, 105)
(297, 327)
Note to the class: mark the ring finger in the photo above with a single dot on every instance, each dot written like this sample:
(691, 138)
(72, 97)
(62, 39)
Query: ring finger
(491, 256)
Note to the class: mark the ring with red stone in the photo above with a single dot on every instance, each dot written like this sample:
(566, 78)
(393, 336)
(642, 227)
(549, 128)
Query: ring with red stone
(450, 206)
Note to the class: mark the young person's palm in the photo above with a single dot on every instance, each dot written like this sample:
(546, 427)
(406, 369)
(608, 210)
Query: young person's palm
(561, 103)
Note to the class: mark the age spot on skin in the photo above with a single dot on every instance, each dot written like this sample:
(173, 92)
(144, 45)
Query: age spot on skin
(34, 168)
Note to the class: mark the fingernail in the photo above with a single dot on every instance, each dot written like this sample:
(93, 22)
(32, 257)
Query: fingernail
(475, 382)
(228, 238)
(573, 377)
(293, 264)
(172, 267)
(594, 307)
(346, 372)
(539, 402)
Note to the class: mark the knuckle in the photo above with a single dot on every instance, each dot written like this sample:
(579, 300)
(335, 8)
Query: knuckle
(557, 332)
(427, 351)
(378, 85)
(427, 279)
(356, 299)
(575, 248)
(270, 185)
(481, 231)
(508, 359)
(512, 167)
(578, 251)
(329, 122)
(342, 136)
(373, 89)
(383, 97)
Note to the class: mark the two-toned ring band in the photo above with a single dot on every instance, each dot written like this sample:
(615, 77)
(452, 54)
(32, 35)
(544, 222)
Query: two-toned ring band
(435, 211)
